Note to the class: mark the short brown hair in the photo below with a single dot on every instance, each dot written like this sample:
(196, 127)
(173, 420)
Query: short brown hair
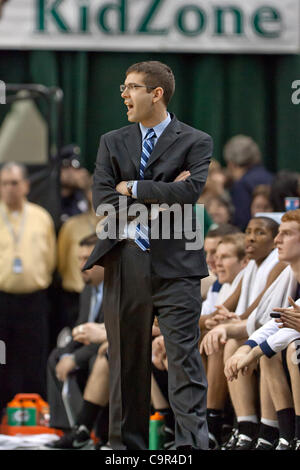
(238, 241)
(291, 216)
(156, 74)
(262, 190)
(242, 151)
(222, 230)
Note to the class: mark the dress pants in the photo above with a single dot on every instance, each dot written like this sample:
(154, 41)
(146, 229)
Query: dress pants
(133, 294)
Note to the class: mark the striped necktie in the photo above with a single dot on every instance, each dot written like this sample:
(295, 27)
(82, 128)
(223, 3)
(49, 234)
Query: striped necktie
(141, 234)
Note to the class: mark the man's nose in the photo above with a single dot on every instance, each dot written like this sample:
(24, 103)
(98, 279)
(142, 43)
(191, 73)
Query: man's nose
(125, 93)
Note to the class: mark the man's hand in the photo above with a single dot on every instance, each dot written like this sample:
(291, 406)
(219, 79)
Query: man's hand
(155, 328)
(159, 354)
(182, 176)
(64, 367)
(289, 317)
(243, 361)
(222, 315)
(231, 367)
(122, 186)
(213, 339)
(90, 333)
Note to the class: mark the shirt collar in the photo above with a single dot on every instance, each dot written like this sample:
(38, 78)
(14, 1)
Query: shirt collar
(158, 129)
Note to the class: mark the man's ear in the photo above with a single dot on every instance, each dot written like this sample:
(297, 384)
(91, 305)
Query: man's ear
(158, 93)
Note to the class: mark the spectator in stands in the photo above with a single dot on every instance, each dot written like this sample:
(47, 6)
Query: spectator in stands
(76, 358)
(215, 183)
(74, 182)
(27, 261)
(244, 164)
(285, 184)
(261, 201)
(220, 209)
(270, 340)
(72, 231)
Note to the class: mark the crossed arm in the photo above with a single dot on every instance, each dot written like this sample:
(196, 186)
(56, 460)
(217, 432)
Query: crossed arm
(107, 188)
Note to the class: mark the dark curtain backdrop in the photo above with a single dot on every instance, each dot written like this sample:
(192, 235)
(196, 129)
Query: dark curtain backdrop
(220, 94)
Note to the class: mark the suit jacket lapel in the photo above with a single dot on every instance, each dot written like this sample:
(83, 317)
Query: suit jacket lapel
(168, 137)
(133, 143)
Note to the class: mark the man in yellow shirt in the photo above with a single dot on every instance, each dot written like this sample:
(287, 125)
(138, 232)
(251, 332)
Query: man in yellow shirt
(27, 261)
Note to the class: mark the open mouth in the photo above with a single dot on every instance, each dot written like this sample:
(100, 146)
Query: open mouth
(129, 106)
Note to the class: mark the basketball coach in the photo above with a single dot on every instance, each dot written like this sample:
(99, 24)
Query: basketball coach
(155, 160)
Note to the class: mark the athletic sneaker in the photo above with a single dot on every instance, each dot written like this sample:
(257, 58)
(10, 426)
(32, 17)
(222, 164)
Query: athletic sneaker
(77, 439)
(101, 446)
(230, 443)
(296, 444)
(283, 444)
(263, 444)
(244, 442)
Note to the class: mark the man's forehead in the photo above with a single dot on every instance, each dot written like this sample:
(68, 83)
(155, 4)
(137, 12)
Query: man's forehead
(212, 242)
(135, 77)
(225, 246)
(259, 223)
(11, 173)
(289, 225)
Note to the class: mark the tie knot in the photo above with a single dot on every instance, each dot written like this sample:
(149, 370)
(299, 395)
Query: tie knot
(150, 134)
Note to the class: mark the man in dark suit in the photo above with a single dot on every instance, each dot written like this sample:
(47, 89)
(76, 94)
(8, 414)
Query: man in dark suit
(156, 160)
(76, 358)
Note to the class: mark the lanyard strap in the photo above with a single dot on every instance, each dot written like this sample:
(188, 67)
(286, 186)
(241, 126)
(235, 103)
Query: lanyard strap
(15, 236)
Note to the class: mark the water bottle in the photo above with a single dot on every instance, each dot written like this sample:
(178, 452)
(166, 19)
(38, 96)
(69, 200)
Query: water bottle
(156, 431)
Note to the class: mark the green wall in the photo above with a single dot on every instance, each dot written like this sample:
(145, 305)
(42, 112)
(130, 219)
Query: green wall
(220, 94)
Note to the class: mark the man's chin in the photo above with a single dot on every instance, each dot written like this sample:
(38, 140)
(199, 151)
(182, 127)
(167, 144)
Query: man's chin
(132, 118)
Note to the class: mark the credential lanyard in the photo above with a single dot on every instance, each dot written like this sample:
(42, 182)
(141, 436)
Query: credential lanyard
(17, 262)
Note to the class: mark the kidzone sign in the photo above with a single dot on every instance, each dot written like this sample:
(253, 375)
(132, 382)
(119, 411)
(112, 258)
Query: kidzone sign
(270, 26)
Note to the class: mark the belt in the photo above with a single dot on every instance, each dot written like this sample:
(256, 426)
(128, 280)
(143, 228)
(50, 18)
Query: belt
(132, 243)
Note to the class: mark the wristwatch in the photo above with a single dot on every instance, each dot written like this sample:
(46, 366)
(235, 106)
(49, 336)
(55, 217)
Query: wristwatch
(129, 186)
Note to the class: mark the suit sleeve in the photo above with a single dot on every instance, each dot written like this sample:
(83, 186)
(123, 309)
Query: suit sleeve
(104, 184)
(82, 355)
(182, 192)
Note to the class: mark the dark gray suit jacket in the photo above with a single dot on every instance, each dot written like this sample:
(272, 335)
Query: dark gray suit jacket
(179, 148)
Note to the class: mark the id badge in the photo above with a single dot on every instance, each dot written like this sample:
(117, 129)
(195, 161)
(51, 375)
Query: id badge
(17, 266)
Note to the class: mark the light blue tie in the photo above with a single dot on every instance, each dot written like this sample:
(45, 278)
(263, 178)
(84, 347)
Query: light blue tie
(141, 234)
